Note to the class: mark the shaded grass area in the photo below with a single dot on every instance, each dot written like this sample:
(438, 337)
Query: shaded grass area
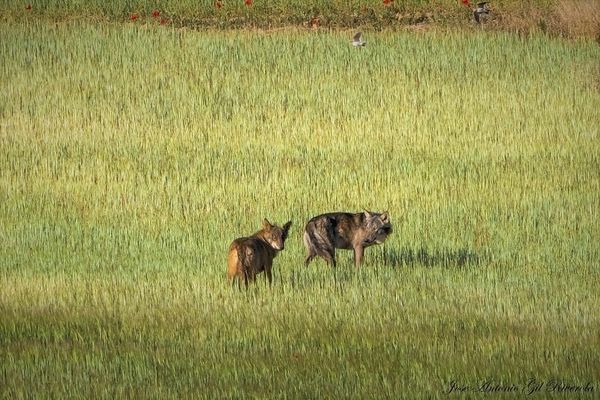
(408, 335)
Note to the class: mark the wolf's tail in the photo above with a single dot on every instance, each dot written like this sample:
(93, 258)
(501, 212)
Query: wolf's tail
(243, 258)
(309, 243)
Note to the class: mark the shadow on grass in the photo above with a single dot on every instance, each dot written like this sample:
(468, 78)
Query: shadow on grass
(444, 257)
(322, 275)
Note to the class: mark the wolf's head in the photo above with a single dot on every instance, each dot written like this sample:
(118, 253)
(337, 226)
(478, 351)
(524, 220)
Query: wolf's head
(377, 226)
(275, 235)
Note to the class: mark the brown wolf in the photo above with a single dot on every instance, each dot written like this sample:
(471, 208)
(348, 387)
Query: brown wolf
(327, 232)
(252, 255)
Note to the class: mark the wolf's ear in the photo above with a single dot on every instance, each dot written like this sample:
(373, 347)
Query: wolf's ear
(267, 224)
(368, 215)
(286, 228)
(385, 217)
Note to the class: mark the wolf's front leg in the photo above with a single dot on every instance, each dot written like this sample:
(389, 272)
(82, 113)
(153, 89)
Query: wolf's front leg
(358, 255)
(269, 276)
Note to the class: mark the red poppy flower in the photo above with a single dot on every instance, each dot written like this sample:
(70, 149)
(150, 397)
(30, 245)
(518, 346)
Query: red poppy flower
(248, 2)
(28, 8)
(163, 21)
(388, 2)
(133, 17)
(218, 4)
(155, 13)
(465, 2)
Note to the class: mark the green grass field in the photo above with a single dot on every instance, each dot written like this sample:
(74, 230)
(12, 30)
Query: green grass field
(131, 155)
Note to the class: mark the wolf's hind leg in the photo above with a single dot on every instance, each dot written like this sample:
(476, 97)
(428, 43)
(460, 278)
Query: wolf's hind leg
(329, 256)
(309, 258)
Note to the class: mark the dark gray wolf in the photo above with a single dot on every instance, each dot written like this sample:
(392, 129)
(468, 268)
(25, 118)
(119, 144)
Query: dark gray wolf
(249, 256)
(340, 230)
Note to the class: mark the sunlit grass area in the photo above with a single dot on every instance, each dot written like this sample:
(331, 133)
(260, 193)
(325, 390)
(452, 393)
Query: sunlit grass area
(131, 155)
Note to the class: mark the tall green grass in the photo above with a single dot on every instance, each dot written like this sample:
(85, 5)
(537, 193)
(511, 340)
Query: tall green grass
(131, 156)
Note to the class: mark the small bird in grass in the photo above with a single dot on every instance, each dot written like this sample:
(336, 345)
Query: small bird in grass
(357, 40)
(481, 9)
